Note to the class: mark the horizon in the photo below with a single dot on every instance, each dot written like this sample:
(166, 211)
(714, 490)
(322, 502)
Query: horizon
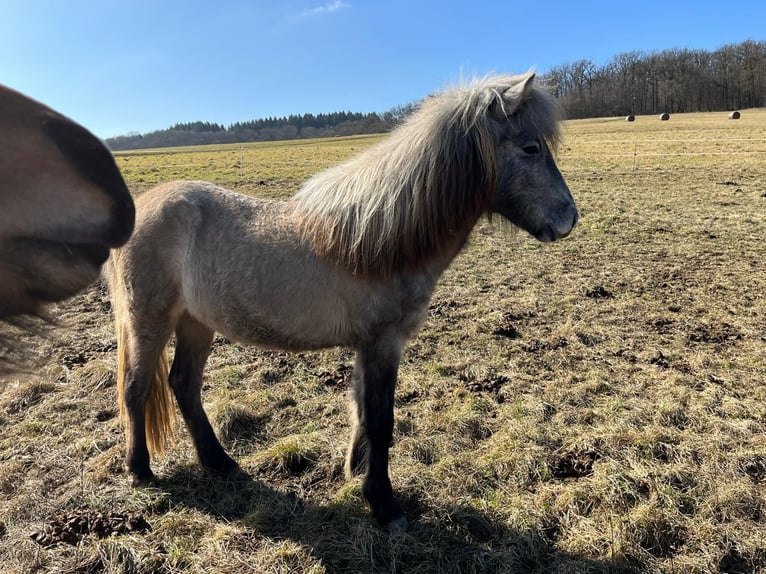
(147, 66)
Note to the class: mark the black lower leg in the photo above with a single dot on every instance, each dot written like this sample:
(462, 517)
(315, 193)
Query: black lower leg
(375, 400)
(137, 455)
(192, 349)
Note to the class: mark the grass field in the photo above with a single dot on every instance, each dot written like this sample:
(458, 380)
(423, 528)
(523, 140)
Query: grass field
(593, 405)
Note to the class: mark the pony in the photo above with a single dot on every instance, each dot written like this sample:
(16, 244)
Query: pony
(63, 205)
(350, 260)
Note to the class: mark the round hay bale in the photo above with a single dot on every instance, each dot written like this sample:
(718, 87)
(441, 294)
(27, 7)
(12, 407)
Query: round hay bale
(630, 118)
(664, 117)
(734, 116)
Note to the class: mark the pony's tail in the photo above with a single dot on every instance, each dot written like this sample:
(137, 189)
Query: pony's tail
(160, 414)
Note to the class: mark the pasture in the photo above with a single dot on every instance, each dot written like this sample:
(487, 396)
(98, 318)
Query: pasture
(593, 405)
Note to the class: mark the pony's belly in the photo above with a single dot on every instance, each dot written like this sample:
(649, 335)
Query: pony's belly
(268, 338)
(277, 327)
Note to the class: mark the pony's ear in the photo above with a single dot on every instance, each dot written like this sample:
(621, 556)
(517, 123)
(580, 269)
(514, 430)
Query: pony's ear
(526, 83)
(512, 97)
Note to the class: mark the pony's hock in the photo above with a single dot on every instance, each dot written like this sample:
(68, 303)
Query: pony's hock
(351, 260)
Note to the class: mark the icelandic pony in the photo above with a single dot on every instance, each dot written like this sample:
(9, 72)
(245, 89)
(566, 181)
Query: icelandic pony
(351, 260)
(63, 204)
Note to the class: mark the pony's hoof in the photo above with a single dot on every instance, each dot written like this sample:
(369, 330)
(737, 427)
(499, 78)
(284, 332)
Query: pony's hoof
(398, 525)
(143, 481)
(229, 471)
(236, 474)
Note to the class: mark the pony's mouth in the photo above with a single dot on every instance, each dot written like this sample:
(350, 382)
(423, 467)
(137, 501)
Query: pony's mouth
(95, 253)
(48, 270)
(549, 234)
(553, 232)
(25, 251)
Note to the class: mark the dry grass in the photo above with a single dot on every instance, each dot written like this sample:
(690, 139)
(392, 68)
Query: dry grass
(598, 404)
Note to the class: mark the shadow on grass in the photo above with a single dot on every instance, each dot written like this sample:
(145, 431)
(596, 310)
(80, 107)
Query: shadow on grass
(346, 539)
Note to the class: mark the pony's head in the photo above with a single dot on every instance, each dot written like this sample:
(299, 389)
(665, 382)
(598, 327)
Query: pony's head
(63, 205)
(530, 191)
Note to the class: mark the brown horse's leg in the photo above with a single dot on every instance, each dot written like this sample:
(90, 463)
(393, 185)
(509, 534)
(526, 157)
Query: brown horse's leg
(373, 394)
(193, 341)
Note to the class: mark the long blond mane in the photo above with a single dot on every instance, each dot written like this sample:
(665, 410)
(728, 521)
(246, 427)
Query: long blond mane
(408, 199)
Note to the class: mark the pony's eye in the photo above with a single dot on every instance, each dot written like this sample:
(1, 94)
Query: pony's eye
(531, 148)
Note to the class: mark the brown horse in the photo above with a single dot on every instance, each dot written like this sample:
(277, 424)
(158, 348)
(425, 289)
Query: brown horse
(63, 204)
(351, 260)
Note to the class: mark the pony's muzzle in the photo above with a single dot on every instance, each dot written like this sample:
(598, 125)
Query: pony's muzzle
(559, 228)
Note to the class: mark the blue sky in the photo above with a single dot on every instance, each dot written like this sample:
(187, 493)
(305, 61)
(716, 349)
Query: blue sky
(140, 65)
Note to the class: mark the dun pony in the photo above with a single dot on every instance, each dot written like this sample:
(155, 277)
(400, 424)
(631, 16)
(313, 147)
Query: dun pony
(351, 260)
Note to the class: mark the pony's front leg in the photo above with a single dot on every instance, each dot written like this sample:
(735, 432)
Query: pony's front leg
(373, 405)
(193, 342)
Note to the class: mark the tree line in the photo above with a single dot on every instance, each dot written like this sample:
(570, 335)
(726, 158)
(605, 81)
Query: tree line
(677, 80)
(265, 129)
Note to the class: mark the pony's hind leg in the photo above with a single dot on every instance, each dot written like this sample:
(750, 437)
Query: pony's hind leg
(193, 341)
(373, 408)
(143, 362)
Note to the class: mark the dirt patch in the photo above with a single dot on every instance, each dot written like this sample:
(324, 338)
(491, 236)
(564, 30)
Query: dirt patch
(734, 562)
(440, 309)
(755, 469)
(660, 360)
(661, 538)
(573, 464)
(491, 384)
(508, 331)
(71, 527)
(339, 378)
(507, 326)
(598, 292)
(717, 333)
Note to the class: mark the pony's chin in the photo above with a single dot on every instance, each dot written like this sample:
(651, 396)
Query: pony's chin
(94, 253)
(52, 270)
(549, 234)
